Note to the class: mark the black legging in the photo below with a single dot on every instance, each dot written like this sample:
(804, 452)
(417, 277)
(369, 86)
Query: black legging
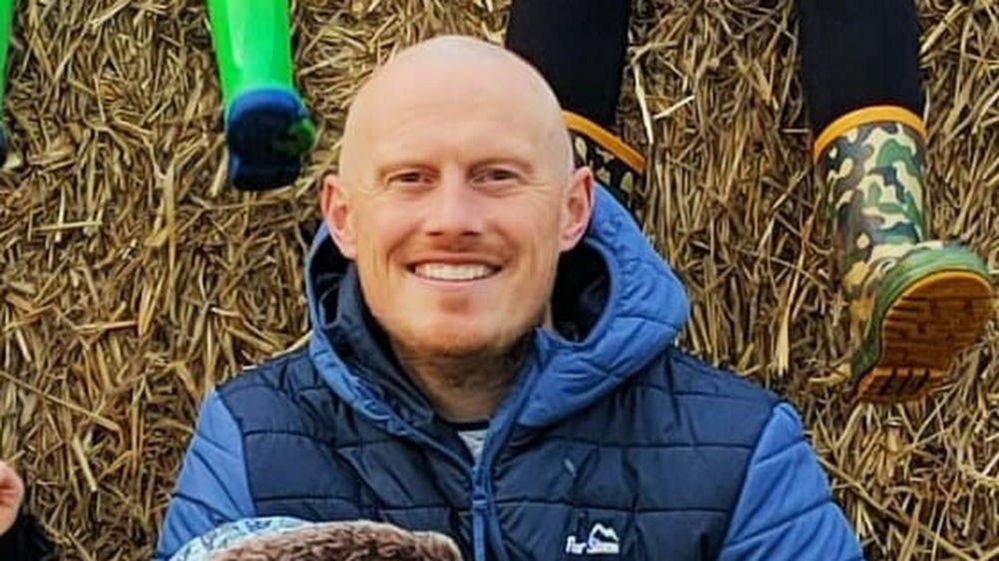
(578, 46)
(855, 53)
(858, 53)
(26, 542)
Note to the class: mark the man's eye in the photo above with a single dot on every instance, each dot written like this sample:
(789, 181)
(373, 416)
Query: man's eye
(409, 178)
(497, 175)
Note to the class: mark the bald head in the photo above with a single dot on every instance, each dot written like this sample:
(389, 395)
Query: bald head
(474, 76)
(456, 195)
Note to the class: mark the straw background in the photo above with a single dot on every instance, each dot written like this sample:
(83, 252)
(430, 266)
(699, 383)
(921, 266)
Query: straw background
(132, 279)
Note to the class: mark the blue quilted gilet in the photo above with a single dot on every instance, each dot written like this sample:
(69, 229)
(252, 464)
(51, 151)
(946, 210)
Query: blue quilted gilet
(659, 462)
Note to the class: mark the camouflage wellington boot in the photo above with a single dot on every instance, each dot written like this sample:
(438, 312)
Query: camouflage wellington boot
(617, 166)
(914, 303)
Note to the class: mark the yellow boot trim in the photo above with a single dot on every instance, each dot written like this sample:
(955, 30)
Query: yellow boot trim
(866, 116)
(923, 331)
(631, 157)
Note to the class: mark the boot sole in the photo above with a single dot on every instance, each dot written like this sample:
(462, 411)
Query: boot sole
(269, 126)
(268, 132)
(922, 332)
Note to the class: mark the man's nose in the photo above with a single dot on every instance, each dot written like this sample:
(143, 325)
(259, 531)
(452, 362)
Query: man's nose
(455, 209)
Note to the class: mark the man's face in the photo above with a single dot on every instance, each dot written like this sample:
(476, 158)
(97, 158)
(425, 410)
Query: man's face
(455, 206)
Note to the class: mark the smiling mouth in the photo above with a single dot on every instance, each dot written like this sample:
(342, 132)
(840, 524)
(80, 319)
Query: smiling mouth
(450, 272)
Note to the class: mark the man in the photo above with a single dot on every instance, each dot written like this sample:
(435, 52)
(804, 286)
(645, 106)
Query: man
(492, 357)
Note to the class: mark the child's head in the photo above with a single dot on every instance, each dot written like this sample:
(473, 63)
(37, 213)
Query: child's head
(290, 539)
(345, 541)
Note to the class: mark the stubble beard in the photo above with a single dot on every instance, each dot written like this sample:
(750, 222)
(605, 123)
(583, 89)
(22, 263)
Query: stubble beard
(459, 363)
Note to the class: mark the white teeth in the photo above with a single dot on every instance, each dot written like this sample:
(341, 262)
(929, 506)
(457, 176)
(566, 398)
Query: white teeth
(448, 272)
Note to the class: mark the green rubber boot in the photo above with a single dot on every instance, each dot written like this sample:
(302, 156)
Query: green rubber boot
(914, 303)
(268, 129)
(6, 13)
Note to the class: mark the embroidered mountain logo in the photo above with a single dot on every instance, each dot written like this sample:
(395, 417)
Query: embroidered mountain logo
(602, 540)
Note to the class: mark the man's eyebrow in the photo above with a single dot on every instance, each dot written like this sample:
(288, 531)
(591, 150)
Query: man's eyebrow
(389, 166)
(522, 164)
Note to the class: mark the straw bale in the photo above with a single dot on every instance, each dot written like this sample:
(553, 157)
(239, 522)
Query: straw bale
(132, 279)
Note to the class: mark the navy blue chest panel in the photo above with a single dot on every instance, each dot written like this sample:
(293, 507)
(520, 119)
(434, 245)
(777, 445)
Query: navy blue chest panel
(645, 474)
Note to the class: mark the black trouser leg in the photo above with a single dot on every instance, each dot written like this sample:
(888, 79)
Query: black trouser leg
(578, 46)
(857, 54)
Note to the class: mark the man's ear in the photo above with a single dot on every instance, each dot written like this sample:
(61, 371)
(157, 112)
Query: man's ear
(577, 208)
(337, 213)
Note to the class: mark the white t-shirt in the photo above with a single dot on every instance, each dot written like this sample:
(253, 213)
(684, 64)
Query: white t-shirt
(475, 440)
(473, 435)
